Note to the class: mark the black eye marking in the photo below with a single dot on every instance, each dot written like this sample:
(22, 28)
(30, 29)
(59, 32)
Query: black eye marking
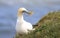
(23, 11)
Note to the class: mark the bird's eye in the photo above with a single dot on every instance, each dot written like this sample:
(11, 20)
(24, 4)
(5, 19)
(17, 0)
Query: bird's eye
(23, 11)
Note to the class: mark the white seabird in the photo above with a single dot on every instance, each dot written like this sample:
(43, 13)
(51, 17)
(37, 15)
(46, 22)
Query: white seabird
(23, 26)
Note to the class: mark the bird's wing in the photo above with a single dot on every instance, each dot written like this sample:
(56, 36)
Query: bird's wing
(35, 25)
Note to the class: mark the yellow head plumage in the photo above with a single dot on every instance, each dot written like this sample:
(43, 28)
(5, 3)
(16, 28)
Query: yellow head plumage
(22, 10)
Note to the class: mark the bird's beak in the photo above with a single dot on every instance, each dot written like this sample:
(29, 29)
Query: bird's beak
(29, 12)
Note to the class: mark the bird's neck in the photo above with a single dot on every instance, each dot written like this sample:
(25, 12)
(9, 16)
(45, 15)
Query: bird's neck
(20, 18)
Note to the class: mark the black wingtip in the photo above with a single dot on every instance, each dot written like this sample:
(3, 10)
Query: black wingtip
(35, 25)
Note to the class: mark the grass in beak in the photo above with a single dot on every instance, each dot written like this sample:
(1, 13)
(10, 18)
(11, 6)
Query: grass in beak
(30, 13)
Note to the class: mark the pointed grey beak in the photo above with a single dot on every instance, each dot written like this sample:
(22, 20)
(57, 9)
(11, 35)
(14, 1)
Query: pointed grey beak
(28, 12)
(25, 11)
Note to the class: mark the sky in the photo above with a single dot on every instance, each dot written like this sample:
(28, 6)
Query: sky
(8, 8)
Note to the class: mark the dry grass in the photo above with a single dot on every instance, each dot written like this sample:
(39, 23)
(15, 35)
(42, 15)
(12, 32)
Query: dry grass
(48, 27)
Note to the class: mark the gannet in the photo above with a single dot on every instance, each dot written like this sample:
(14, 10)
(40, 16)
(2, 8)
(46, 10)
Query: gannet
(22, 26)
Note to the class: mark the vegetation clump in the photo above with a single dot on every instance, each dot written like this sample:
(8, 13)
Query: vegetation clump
(48, 27)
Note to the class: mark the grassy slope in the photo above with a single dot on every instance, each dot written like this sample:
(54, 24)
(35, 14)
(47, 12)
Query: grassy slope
(48, 27)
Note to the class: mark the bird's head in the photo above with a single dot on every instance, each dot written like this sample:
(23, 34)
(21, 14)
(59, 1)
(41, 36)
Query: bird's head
(23, 10)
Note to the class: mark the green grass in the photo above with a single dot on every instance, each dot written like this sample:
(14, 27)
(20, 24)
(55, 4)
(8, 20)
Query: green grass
(48, 27)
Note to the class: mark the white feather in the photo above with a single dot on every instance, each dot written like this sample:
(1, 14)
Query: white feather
(22, 26)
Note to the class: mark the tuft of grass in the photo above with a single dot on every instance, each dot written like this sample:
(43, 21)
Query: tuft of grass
(48, 27)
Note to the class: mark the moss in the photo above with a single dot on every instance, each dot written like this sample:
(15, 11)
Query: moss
(48, 27)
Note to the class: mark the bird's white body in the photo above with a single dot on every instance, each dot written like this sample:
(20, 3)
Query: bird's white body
(22, 26)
